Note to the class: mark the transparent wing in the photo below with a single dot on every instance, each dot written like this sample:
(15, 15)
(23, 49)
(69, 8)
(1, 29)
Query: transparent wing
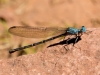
(36, 32)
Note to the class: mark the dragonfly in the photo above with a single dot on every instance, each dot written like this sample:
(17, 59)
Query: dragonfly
(42, 32)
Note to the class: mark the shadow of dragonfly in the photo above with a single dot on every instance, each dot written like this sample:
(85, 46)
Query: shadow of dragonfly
(67, 41)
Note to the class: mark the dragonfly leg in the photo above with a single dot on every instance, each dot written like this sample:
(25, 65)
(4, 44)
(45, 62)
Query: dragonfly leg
(76, 39)
(66, 45)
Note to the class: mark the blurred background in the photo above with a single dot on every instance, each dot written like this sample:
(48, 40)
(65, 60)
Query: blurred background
(45, 13)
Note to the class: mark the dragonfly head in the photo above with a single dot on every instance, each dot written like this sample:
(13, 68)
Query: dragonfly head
(83, 29)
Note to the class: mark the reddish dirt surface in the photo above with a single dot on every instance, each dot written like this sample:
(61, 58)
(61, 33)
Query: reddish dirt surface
(82, 59)
(57, 13)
